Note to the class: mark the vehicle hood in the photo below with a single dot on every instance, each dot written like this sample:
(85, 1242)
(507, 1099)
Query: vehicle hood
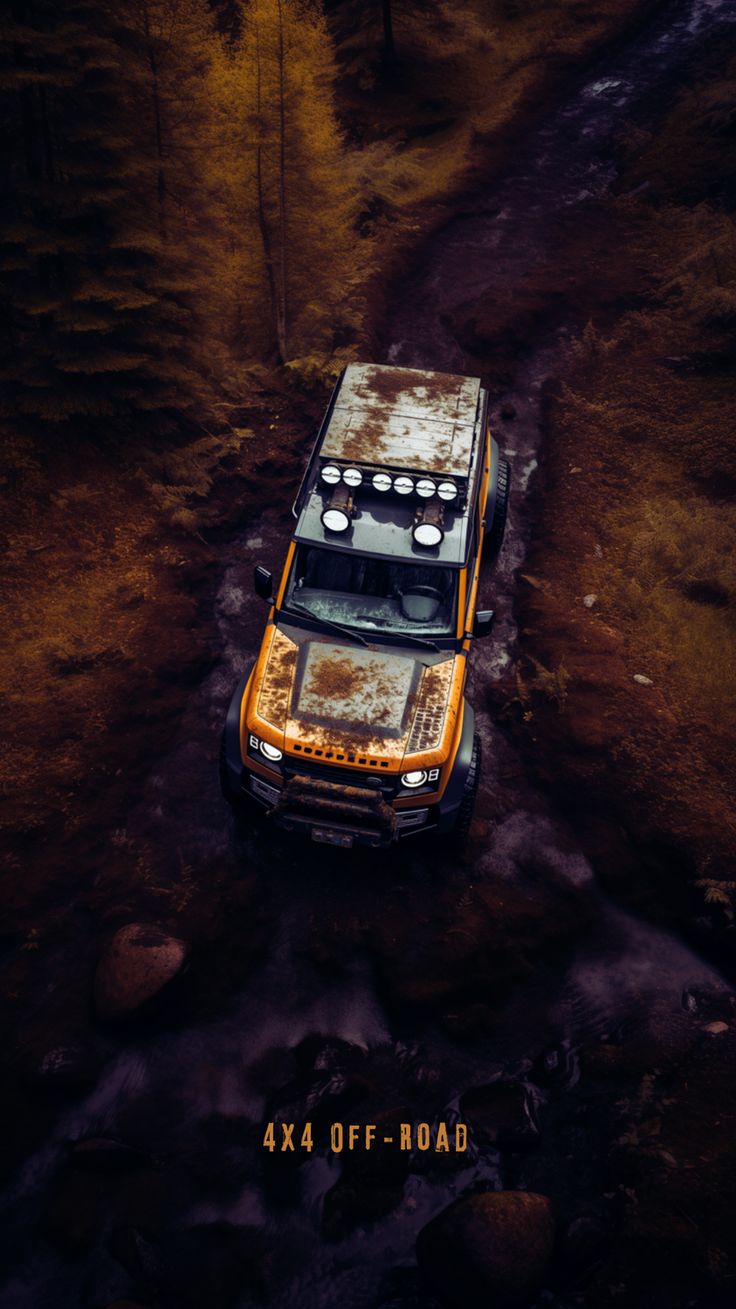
(344, 700)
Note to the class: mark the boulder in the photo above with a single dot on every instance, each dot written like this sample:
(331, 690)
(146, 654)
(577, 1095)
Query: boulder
(63, 1068)
(104, 1154)
(136, 965)
(501, 1114)
(485, 1250)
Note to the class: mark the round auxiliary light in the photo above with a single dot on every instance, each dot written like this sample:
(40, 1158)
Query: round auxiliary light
(352, 476)
(427, 534)
(403, 485)
(447, 490)
(330, 474)
(417, 778)
(336, 520)
(426, 488)
(381, 482)
(270, 752)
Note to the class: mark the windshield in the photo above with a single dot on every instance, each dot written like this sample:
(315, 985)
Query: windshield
(368, 594)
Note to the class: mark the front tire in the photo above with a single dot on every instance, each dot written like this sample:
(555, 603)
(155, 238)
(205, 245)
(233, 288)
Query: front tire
(501, 509)
(224, 785)
(470, 792)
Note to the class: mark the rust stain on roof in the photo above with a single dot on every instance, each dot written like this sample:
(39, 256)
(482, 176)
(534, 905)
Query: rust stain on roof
(404, 418)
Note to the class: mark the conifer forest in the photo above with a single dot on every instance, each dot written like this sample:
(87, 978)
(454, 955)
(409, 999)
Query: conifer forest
(208, 210)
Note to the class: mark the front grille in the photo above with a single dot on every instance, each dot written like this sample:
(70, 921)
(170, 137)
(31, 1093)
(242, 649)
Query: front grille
(339, 754)
(340, 776)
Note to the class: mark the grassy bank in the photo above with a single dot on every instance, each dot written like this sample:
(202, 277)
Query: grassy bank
(629, 602)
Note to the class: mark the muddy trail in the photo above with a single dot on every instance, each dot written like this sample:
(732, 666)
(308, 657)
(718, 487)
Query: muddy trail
(386, 986)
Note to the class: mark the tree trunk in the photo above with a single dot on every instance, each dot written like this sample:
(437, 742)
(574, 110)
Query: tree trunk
(388, 30)
(261, 206)
(156, 97)
(282, 319)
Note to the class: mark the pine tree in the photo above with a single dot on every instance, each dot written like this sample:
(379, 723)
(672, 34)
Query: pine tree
(96, 313)
(299, 196)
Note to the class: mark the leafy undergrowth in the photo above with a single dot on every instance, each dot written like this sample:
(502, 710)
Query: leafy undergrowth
(639, 512)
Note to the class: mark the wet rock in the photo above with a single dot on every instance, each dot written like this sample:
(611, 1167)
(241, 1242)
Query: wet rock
(353, 1200)
(642, 680)
(716, 1028)
(226, 1151)
(213, 1264)
(372, 1180)
(273, 1070)
(84, 1201)
(125, 1304)
(589, 600)
(488, 1250)
(583, 1244)
(710, 1003)
(327, 1054)
(557, 1065)
(135, 966)
(502, 1115)
(105, 1154)
(63, 1068)
(138, 1254)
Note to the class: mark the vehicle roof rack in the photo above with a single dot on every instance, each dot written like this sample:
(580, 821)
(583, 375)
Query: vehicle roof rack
(383, 419)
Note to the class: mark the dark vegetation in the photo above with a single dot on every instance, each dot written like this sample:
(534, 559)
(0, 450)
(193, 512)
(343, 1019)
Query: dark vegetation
(639, 517)
(202, 207)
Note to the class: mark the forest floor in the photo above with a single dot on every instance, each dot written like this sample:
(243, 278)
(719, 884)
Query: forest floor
(107, 549)
(109, 553)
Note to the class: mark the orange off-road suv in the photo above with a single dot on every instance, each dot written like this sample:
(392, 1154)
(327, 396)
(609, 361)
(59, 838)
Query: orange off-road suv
(352, 727)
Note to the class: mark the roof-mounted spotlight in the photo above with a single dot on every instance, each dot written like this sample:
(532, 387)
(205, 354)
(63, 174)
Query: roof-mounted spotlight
(426, 488)
(331, 474)
(447, 490)
(337, 514)
(381, 482)
(352, 476)
(428, 529)
(403, 485)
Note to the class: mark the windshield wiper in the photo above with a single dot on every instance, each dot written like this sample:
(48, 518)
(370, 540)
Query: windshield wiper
(328, 622)
(416, 640)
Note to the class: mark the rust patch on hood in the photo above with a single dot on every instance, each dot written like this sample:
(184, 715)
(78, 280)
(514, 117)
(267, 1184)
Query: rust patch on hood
(353, 705)
(274, 700)
(360, 701)
(429, 719)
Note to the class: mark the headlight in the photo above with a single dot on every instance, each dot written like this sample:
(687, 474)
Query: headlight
(417, 778)
(269, 752)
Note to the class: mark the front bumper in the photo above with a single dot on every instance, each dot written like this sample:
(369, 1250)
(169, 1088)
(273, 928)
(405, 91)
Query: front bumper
(354, 810)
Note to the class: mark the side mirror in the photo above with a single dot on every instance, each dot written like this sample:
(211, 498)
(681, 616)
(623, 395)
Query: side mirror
(483, 622)
(263, 583)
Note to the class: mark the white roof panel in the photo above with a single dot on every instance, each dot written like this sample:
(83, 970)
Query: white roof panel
(404, 418)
